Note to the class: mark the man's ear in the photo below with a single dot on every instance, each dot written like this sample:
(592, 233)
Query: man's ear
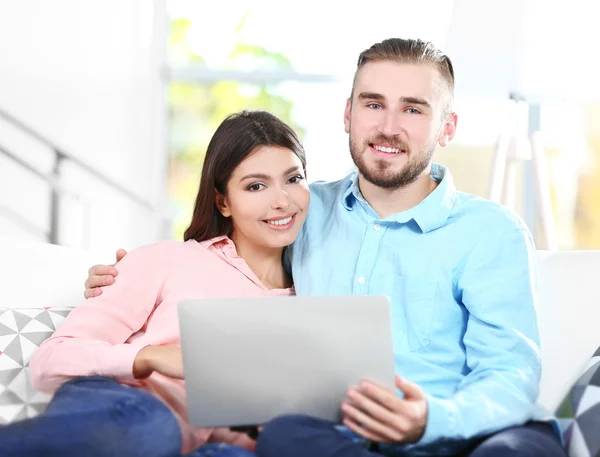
(221, 203)
(347, 113)
(448, 130)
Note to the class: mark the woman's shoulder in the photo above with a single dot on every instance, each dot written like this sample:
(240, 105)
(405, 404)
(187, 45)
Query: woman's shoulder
(157, 249)
(154, 254)
(171, 252)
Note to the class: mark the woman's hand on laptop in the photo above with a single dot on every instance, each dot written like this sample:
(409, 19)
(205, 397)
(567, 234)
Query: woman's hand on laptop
(380, 415)
(166, 360)
(101, 275)
(226, 435)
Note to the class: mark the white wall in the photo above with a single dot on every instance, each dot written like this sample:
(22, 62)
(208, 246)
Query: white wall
(86, 75)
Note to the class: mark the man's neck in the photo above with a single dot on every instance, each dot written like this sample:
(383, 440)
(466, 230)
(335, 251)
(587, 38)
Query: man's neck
(386, 202)
(265, 263)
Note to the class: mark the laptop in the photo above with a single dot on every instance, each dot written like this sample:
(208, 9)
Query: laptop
(248, 360)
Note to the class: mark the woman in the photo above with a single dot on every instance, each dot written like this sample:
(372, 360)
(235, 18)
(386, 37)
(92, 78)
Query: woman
(115, 363)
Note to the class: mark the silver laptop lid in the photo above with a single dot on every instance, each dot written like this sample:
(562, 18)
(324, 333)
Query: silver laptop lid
(247, 360)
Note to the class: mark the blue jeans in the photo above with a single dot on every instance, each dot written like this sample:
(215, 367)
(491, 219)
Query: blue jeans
(98, 417)
(302, 436)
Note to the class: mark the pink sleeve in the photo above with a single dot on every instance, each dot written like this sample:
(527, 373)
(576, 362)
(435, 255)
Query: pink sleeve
(91, 341)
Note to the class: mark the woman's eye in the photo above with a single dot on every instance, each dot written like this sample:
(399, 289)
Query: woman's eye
(295, 179)
(255, 187)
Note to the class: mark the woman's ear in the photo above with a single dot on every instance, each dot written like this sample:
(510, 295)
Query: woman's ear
(221, 203)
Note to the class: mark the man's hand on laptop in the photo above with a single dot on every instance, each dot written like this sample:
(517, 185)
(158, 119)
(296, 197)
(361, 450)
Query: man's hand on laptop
(378, 414)
(166, 360)
(101, 275)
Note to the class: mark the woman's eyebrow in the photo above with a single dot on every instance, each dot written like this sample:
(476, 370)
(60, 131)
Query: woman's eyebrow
(266, 177)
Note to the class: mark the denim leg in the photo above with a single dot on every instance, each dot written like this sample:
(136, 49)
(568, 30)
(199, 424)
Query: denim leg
(95, 417)
(535, 439)
(303, 436)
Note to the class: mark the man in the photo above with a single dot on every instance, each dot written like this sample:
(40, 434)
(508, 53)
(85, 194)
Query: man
(459, 271)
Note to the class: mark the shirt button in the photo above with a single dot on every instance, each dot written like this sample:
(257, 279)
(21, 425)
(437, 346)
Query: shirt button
(377, 227)
(361, 280)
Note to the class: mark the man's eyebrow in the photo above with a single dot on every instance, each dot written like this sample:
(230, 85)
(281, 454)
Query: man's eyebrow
(379, 97)
(415, 101)
(370, 96)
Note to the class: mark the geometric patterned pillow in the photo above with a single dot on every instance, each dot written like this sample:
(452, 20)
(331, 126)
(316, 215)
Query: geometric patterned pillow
(22, 330)
(579, 414)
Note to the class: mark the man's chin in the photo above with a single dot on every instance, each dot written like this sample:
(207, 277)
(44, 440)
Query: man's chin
(383, 181)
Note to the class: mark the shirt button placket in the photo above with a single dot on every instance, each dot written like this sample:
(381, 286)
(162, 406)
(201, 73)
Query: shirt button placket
(367, 258)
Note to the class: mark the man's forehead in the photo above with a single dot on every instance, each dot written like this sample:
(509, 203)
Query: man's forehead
(396, 80)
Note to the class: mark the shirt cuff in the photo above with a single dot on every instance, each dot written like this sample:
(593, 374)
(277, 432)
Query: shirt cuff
(117, 361)
(441, 420)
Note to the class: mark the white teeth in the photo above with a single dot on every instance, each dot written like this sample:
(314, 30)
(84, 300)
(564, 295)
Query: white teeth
(386, 149)
(280, 221)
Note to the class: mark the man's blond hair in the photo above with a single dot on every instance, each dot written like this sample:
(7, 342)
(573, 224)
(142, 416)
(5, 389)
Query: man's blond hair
(411, 52)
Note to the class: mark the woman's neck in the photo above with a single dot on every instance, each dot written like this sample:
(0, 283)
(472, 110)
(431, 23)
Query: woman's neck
(266, 263)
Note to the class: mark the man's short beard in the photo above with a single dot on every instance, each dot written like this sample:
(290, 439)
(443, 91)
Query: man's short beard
(380, 177)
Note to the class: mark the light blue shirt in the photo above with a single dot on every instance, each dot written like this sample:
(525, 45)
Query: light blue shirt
(459, 271)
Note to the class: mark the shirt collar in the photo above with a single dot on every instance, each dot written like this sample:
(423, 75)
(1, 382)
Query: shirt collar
(224, 247)
(352, 193)
(429, 214)
(222, 240)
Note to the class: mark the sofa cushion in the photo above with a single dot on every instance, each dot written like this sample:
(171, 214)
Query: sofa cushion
(579, 414)
(21, 333)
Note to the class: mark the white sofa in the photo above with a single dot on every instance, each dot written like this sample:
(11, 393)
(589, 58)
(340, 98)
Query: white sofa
(43, 275)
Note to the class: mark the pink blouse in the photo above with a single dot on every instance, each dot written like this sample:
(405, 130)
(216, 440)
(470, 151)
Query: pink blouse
(103, 335)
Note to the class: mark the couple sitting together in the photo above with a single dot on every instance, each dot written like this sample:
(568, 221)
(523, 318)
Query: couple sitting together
(459, 271)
